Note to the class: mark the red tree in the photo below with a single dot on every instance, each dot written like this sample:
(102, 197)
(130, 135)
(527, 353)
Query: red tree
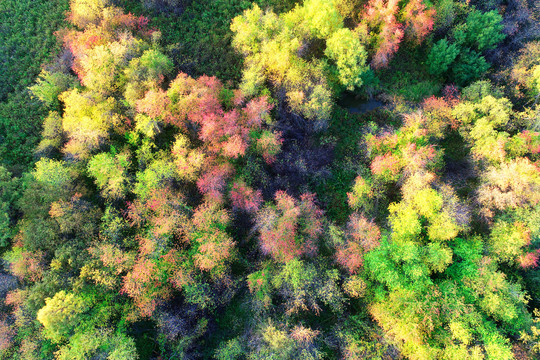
(361, 236)
(245, 198)
(290, 228)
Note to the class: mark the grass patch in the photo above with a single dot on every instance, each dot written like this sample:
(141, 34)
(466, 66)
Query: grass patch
(27, 41)
(345, 133)
(407, 77)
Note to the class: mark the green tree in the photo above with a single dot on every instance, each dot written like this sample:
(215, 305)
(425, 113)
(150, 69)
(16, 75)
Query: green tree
(470, 66)
(49, 85)
(98, 343)
(110, 172)
(345, 49)
(10, 192)
(52, 137)
(483, 30)
(441, 56)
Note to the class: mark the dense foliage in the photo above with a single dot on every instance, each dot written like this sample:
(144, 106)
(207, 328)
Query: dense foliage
(320, 179)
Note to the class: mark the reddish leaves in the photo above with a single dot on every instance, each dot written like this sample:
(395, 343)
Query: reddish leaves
(381, 15)
(291, 228)
(155, 104)
(213, 181)
(387, 166)
(144, 284)
(225, 133)
(418, 19)
(245, 198)
(361, 236)
(390, 24)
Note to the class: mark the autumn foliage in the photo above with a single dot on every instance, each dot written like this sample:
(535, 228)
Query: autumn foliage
(361, 236)
(290, 228)
(333, 185)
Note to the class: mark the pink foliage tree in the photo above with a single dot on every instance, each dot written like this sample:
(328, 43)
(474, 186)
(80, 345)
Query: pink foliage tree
(390, 21)
(290, 228)
(361, 236)
(245, 198)
(419, 20)
(213, 181)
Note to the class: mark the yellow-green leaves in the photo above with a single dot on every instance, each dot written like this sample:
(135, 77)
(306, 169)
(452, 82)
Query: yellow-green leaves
(87, 120)
(52, 172)
(345, 49)
(61, 315)
(282, 50)
(110, 172)
(322, 17)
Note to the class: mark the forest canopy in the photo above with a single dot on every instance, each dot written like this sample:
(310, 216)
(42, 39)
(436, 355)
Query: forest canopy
(300, 179)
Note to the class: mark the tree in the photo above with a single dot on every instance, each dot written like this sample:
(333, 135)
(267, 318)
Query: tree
(381, 15)
(525, 72)
(144, 73)
(110, 172)
(245, 198)
(229, 350)
(86, 12)
(49, 85)
(515, 184)
(403, 152)
(345, 49)
(9, 195)
(99, 343)
(508, 241)
(360, 236)
(213, 181)
(441, 56)
(214, 247)
(277, 341)
(77, 219)
(418, 20)
(387, 22)
(189, 162)
(147, 284)
(163, 212)
(52, 173)
(157, 175)
(277, 49)
(100, 69)
(51, 181)
(269, 145)
(290, 228)
(61, 315)
(6, 336)
(52, 137)
(480, 123)
(88, 119)
(321, 16)
(308, 287)
(482, 30)
(470, 66)
(364, 194)
(108, 40)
